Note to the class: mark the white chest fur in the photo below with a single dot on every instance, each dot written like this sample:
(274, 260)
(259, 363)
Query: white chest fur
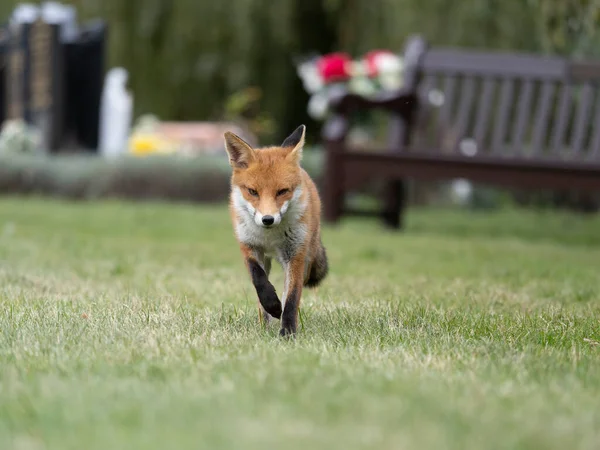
(281, 241)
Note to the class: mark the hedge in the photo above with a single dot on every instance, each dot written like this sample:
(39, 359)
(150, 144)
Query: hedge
(173, 178)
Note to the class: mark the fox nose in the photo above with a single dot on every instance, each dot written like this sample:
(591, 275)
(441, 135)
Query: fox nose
(268, 220)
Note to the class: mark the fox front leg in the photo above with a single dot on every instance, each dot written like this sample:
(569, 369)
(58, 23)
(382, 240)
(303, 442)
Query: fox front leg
(264, 289)
(263, 316)
(294, 280)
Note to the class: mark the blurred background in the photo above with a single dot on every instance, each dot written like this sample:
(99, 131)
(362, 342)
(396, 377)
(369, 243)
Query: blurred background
(192, 68)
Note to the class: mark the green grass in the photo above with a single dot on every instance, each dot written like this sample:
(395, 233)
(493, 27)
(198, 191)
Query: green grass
(129, 326)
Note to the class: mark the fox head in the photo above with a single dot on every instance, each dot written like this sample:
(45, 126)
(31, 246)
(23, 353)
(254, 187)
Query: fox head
(267, 182)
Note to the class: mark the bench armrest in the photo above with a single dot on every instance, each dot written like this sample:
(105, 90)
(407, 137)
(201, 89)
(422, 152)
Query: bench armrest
(395, 102)
(401, 103)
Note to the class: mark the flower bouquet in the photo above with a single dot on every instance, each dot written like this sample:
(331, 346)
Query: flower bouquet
(376, 71)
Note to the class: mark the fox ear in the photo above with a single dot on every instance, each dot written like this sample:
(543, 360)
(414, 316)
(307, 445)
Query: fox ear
(239, 151)
(296, 141)
(295, 138)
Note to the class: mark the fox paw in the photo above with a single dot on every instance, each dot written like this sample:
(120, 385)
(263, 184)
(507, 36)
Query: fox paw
(287, 332)
(272, 306)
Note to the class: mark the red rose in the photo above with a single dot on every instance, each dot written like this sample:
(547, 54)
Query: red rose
(334, 67)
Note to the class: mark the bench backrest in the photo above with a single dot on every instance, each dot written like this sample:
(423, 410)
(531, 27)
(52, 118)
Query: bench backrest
(507, 105)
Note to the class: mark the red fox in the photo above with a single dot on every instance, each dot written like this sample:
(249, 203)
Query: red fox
(276, 213)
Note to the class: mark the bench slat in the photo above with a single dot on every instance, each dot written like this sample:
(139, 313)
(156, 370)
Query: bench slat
(541, 117)
(582, 117)
(443, 119)
(464, 108)
(484, 108)
(560, 127)
(427, 85)
(506, 95)
(594, 148)
(494, 64)
(523, 114)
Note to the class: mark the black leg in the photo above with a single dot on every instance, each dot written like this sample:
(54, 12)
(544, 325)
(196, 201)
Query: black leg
(264, 289)
(289, 318)
(394, 203)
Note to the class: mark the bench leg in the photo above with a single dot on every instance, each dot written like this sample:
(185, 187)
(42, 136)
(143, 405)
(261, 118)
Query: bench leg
(394, 204)
(333, 200)
(332, 212)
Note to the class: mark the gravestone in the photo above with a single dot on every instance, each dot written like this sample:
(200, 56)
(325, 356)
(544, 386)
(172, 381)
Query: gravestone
(46, 81)
(84, 65)
(34, 79)
(52, 74)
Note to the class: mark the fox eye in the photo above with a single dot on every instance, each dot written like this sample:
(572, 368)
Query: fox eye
(253, 192)
(282, 192)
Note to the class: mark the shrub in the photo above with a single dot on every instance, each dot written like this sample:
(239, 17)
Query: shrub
(200, 179)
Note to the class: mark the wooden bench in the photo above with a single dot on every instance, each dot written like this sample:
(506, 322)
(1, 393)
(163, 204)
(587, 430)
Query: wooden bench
(497, 118)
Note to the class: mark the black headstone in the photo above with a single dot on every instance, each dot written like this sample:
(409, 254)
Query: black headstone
(85, 59)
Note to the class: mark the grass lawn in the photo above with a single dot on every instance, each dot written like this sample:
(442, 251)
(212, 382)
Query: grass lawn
(129, 326)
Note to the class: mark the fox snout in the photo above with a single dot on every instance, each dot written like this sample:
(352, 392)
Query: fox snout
(269, 213)
(267, 220)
